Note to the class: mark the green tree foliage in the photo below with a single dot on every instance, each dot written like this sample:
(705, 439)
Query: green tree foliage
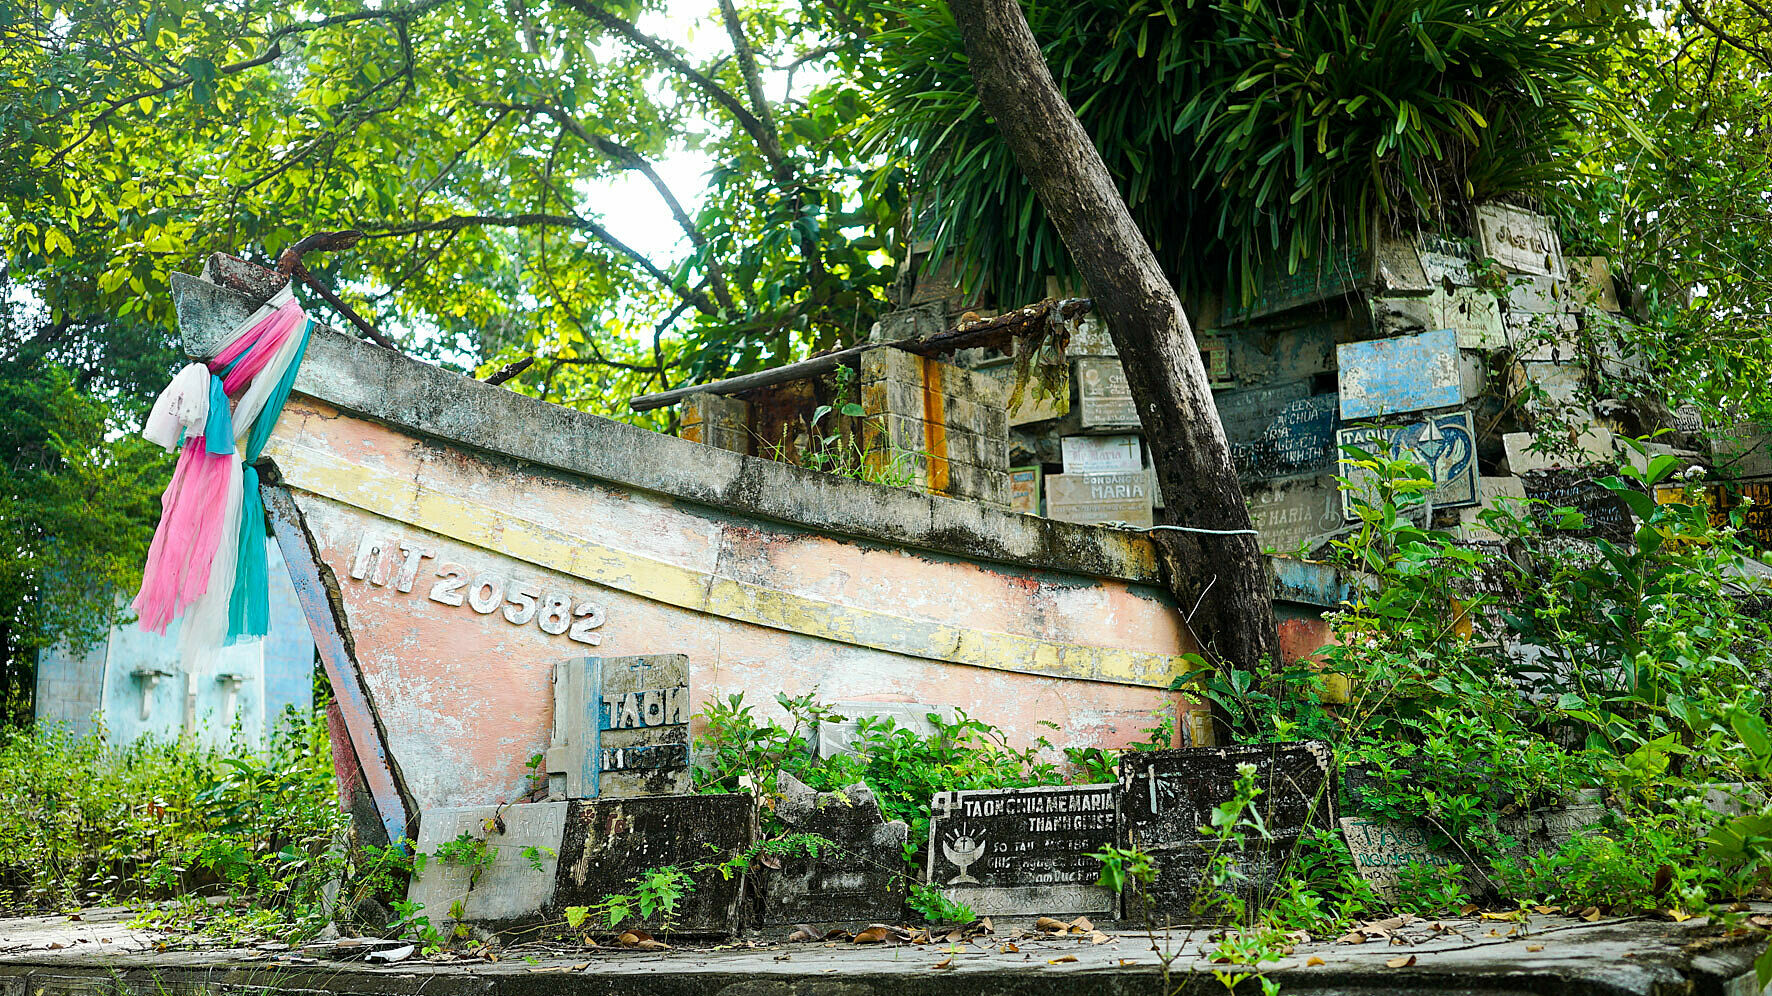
(1245, 134)
(77, 509)
(1685, 217)
(141, 135)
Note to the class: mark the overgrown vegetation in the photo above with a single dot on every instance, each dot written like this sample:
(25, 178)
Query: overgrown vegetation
(168, 825)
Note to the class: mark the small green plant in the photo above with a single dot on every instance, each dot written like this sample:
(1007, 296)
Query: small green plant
(937, 906)
(655, 896)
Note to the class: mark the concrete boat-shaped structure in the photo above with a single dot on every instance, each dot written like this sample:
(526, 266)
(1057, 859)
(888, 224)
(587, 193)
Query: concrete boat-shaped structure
(452, 541)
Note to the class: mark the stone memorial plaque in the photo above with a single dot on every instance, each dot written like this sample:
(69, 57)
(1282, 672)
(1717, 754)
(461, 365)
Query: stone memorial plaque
(1167, 796)
(1400, 374)
(1742, 449)
(1287, 513)
(1043, 408)
(1492, 493)
(1336, 273)
(621, 727)
(1756, 511)
(1544, 338)
(1023, 851)
(1590, 283)
(1606, 515)
(1024, 490)
(1444, 444)
(1446, 262)
(518, 884)
(1594, 445)
(1519, 239)
(1474, 314)
(1285, 354)
(1537, 295)
(609, 842)
(1399, 268)
(1381, 849)
(1090, 338)
(1102, 454)
(1298, 438)
(1104, 396)
(856, 877)
(1093, 498)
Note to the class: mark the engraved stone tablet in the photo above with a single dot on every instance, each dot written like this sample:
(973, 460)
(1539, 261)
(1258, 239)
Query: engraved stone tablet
(1297, 437)
(1605, 515)
(1443, 444)
(1102, 454)
(1023, 851)
(609, 842)
(1024, 490)
(523, 840)
(1401, 374)
(857, 876)
(1167, 796)
(621, 727)
(1474, 314)
(1093, 498)
(1519, 239)
(1105, 398)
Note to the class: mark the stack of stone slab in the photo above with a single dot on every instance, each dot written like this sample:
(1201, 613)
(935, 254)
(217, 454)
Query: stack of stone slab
(1485, 355)
(1033, 850)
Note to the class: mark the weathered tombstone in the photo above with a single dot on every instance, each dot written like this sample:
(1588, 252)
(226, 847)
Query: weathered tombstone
(1283, 288)
(1284, 354)
(1742, 448)
(1024, 490)
(1301, 510)
(1606, 515)
(1492, 493)
(1104, 396)
(1093, 498)
(857, 876)
(1537, 295)
(1400, 374)
(1444, 444)
(1544, 338)
(517, 885)
(1594, 445)
(1090, 338)
(1296, 438)
(1167, 797)
(1102, 454)
(1590, 283)
(1399, 268)
(1215, 353)
(1519, 240)
(621, 727)
(1383, 849)
(1474, 314)
(1446, 262)
(607, 843)
(1023, 851)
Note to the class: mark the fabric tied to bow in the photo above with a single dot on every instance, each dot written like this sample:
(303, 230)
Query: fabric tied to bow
(206, 564)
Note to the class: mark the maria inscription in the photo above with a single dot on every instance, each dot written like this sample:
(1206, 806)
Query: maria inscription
(1006, 851)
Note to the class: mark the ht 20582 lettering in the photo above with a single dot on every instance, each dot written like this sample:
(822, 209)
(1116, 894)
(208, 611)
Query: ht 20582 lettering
(553, 612)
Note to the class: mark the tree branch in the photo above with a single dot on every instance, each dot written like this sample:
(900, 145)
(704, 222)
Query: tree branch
(603, 235)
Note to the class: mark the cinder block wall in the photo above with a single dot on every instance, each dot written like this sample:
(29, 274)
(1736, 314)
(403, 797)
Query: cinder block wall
(944, 424)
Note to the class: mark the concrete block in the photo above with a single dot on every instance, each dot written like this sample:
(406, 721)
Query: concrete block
(1594, 445)
(1520, 240)
(913, 435)
(609, 842)
(933, 375)
(856, 878)
(516, 886)
(900, 398)
(1591, 284)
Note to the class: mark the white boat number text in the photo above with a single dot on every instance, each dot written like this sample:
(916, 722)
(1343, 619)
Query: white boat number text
(484, 592)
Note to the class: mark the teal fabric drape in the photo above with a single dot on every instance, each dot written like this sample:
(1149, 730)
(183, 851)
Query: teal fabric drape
(249, 605)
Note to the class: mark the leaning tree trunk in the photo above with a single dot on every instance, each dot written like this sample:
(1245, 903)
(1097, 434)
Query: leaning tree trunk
(1220, 582)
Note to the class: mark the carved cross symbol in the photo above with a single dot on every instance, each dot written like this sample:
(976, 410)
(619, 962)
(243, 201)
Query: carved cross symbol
(641, 665)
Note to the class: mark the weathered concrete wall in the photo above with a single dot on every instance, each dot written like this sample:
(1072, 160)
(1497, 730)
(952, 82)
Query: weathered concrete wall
(459, 672)
(70, 686)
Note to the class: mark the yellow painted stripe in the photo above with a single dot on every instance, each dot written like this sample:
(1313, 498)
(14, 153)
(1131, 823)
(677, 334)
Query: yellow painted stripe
(406, 500)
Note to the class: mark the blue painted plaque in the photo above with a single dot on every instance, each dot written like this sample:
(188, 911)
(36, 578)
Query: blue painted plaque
(1445, 445)
(1401, 374)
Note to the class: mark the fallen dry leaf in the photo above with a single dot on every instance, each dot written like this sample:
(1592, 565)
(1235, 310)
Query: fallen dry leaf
(1591, 914)
(581, 966)
(651, 945)
(55, 946)
(1679, 916)
(1547, 910)
(1097, 937)
(1353, 937)
(955, 936)
(1498, 916)
(873, 935)
(1534, 947)
(1313, 961)
(1081, 925)
(1008, 949)
(1051, 926)
(947, 962)
(803, 933)
(1400, 962)
(985, 922)
(836, 934)
(1468, 909)
(1061, 959)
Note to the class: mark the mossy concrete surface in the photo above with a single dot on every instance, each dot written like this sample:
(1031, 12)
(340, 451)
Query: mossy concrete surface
(53, 956)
